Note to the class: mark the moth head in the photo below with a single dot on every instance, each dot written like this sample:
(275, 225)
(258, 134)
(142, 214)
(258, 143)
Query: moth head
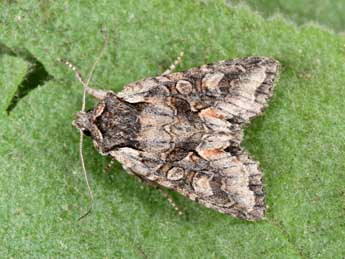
(83, 122)
(112, 124)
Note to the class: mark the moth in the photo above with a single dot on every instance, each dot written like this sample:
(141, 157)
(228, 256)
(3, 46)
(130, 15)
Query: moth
(183, 131)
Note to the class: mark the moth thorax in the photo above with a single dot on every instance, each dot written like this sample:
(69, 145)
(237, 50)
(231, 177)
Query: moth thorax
(118, 123)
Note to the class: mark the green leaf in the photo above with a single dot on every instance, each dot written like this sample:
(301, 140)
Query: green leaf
(299, 141)
(328, 13)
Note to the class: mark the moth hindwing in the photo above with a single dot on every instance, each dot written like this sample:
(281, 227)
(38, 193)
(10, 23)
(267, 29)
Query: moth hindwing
(183, 131)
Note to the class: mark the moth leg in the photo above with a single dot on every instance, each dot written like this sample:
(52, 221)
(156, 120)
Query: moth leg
(170, 200)
(109, 166)
(173, 65)
(98, 94)
(162, 191)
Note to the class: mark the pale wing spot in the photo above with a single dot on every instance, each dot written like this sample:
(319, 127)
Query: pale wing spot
(249, 83)
(211, 81)
(237, 184)
(175, 174)
(135, 92)
(201, 184)
(130, 158)
(184, 87)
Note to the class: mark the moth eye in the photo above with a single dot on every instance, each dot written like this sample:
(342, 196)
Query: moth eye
(87, 133)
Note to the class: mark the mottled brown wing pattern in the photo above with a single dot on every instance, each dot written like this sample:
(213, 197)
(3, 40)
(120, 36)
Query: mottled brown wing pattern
(183, 131)
(237, 89)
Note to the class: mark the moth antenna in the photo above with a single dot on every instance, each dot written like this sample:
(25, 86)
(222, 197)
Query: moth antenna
(86, 86)
(85, 175)
(175, 64)
(105, 44)
(79, 76)
(86, 89)
(75, 69)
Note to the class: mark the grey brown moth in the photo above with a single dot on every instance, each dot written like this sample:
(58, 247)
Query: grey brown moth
(183, 131)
